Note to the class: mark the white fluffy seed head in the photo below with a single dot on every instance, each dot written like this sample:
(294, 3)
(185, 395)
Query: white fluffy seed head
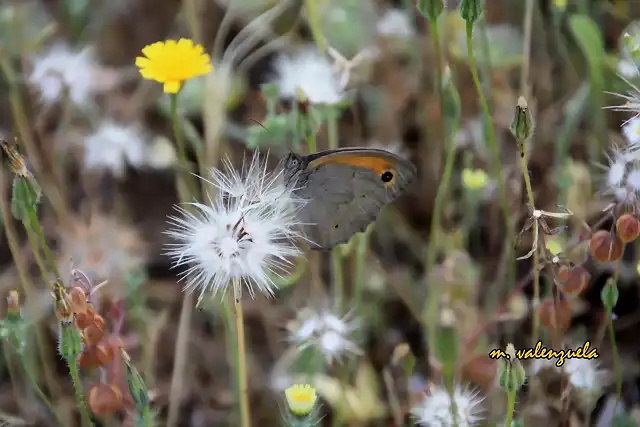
(60, 69)
(113, 146)
(434, 410)
(243, 238)
(326, 332)
(311, 72)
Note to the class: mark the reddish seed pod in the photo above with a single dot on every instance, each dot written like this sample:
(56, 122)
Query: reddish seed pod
(105, 399)
(93, 333)
(573, 280)
(88, 359)
(627, 228)
(605, 247)
(78, 300)
(555, 314)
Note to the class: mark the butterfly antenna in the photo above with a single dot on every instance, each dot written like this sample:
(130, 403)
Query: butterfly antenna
(257, 122)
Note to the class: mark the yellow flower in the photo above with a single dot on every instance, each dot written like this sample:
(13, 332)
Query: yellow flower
(560, 4)
(554, 245)
(301, 398)
(474, 179)
(171, 63)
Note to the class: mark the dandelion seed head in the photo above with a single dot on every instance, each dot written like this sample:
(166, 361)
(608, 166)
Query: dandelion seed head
(326, 332)
(633, 180)
(312, 73)
(61, 69)
(627, 68)
(113, 146)
(238, 240)
(395, 23)
(435, 407)
(631, 131)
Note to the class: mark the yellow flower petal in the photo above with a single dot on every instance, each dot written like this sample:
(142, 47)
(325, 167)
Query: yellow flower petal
(301, 398)
(143, 62)
(172, 87)
(173, 62)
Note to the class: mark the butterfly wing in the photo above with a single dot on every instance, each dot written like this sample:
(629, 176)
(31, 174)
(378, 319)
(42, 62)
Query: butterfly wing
(347, 189)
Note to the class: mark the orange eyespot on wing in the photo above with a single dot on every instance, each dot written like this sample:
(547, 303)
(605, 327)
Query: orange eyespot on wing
(377, 164)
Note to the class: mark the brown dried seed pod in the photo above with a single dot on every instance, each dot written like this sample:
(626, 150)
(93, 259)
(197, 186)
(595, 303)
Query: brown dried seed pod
(88, 359)
(605, 247)
(105, 353)
(78, 300)
(105, 399)
(555, 314)
(83, 320)
(92, 334)
(627, 228)
(577, 281)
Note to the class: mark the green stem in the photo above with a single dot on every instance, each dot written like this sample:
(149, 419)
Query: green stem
(511, 405)
(40, 393)
(616, 357)
(185, 185)
(493, 145)
(338, 279)
(536, 259)
(612, 337)
(441, 194)
(311, 143)
(332, 130)
(146, 416)
(77, 385)
(35, 224)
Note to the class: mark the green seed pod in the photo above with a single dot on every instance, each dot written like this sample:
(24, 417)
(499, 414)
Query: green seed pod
(25, 196)
(609, 295)
(522, 123)
(511, 373)
(470, 10)
(137, 387)
(69, 341)
(431, 9)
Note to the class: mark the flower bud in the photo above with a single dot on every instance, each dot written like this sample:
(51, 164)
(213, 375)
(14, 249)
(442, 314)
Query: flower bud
(511, 373)
(69, 341)
(25, 196)
(609, 295)
(627, 228)
(301, 399)
(470, 10)
(137, 388)
(605, 247)
(431, 9)
(446, 341)
(13, 304)
(522, 123)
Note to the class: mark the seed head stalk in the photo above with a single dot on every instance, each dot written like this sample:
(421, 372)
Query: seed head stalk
(243, 386)
(493, 145)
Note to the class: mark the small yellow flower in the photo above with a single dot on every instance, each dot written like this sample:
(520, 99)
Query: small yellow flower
(554, 245)
(474, 179)
(171, 63)
(301, 398)
(560, 4)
